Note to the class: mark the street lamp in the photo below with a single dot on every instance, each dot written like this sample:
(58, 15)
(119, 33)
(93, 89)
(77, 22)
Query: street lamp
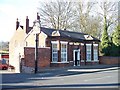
(36, 30)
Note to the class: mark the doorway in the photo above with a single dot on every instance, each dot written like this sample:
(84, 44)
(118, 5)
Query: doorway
(76, 56)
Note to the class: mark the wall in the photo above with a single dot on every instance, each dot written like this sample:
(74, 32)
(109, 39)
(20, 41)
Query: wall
(61, 64)
(31, 40)
(16, 48)
(109, 60)
(71, 47)
(43, 57)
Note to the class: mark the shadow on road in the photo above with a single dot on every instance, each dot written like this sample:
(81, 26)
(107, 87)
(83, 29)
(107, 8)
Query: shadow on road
(62, 86)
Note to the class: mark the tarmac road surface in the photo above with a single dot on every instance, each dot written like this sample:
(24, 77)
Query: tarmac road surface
(64, 78)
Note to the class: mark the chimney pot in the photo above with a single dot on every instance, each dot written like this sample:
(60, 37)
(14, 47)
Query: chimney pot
(17, 19)
(27, 24)
(38, 17)
(26, 17)
(17, 23)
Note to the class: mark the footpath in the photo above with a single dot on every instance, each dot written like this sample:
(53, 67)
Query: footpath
(88, 68)
(72, 70)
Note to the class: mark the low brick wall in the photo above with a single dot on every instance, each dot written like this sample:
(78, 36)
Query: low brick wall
(43, 57)
(109, 60)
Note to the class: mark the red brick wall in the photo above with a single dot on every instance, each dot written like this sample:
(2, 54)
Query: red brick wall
(70, 53)
(82, 52)
(109, 60)
(43, 58)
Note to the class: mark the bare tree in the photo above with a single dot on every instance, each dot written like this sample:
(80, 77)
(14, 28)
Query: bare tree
(57, 14)
(78, 16)
(109, 13)
(94, 26)
(83, 11)
(85, 21)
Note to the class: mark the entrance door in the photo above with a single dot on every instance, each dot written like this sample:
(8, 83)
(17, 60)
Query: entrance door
(76, 55)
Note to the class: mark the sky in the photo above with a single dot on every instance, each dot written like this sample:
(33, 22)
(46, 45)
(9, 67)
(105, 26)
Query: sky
(10, 10)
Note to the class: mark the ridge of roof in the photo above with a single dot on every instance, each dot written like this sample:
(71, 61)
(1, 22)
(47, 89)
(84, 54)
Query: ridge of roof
(64, 30)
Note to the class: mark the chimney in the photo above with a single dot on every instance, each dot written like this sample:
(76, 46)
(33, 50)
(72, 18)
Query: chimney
(17, 24)
(27, 24)
(38, 17)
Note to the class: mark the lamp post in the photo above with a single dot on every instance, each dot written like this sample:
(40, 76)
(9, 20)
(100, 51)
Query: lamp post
(36, 28)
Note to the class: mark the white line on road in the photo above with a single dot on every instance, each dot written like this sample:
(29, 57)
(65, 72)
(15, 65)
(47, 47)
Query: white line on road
(90, 70)
(98, 78)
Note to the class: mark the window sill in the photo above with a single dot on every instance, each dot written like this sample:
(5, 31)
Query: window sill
(88, 60)
(59, 62)
(96, 61)
(92, 61)
(82, 60)
(70, 61)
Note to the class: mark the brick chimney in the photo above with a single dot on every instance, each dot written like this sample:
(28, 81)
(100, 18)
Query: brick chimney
(38, 17)
(17, 24)
(27, 24)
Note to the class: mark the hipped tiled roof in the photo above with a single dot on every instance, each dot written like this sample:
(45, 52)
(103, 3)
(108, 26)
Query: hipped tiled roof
(68, 34)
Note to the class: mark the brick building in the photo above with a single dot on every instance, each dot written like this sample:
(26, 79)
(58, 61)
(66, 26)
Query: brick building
(57, 48)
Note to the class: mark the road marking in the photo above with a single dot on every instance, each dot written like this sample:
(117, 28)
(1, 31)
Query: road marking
(91, 70)
(98, 78)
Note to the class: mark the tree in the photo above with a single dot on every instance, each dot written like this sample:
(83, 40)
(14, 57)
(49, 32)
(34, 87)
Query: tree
(57, 14)
(4, 46)
(85, 21)
(116, 36)
(82, 15)
(115, 50)
(94, 26)
(108, 11)
(105, 43)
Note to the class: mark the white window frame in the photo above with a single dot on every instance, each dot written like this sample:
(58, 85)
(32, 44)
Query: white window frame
(62, 53)
(95, 52)
(54, 42)
(90, 52)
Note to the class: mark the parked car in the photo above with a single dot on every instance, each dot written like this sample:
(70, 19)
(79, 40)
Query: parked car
(11, 67)
(3, 66)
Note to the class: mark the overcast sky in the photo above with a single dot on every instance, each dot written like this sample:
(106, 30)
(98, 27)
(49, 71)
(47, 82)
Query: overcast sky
(12, 9)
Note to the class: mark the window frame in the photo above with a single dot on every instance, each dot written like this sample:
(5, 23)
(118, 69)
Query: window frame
(90, 52)
(64, 52)
(95, 53)
(54, 43)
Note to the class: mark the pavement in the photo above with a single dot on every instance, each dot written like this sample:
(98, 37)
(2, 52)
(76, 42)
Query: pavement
(75, 69)
(64, 71)
(87, 68)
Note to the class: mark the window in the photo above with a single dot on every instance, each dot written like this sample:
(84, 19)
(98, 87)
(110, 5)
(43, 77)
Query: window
(63, 51)
(95, 52)
(54, 52)
(88, 52)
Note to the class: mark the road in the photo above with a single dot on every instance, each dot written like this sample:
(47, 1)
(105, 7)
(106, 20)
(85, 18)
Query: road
(71, 78)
